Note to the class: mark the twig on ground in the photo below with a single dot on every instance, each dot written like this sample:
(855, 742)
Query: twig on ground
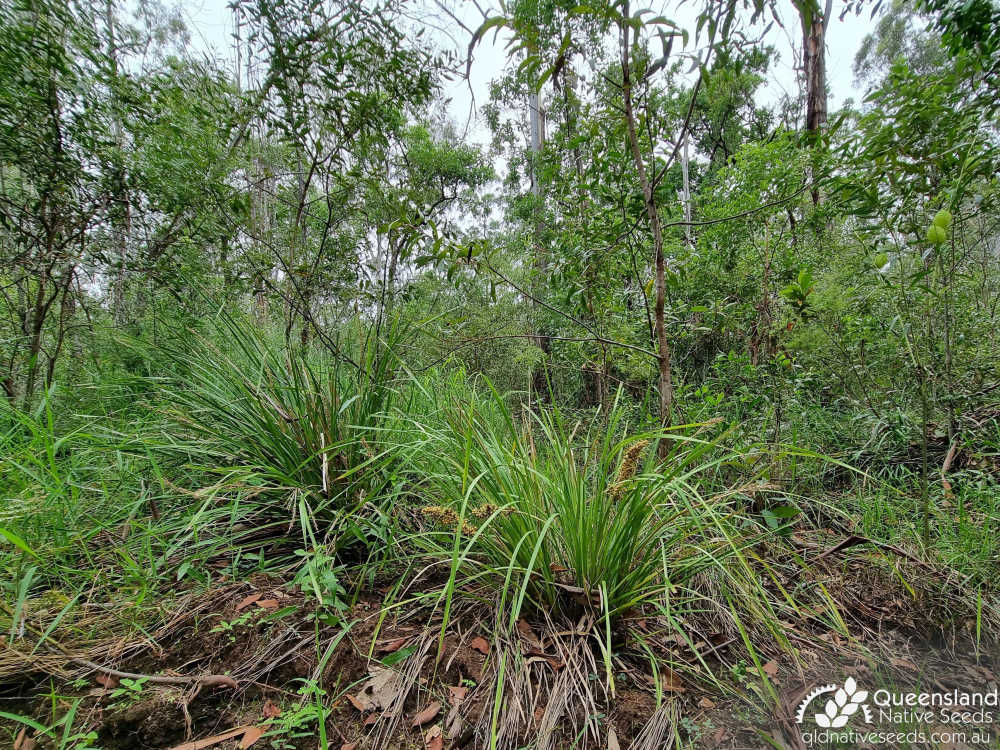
(210, 680)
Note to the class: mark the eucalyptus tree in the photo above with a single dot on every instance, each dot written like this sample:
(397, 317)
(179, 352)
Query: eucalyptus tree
(410, 200)
(340, 82)
(634, 69)
(51, 197)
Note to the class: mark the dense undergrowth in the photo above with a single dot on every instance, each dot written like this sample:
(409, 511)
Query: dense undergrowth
(337, 474)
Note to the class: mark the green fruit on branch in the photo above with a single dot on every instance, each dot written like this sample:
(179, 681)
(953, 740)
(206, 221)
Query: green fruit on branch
(942, 219)
(936, 235)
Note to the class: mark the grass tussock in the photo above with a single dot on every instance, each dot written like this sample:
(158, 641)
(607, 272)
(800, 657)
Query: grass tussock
(291, 422)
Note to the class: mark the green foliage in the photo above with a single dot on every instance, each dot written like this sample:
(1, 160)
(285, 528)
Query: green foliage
(574, 521)
(275, 417)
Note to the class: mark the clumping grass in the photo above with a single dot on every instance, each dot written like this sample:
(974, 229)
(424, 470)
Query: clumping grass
(582, 529)
(292, 424)
(568, 516)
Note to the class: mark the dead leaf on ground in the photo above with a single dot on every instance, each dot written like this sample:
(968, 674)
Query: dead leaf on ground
(526, 631)
(271, 710)
(247, 601)
(536, 656)
(108, 682)
(453, 723)
(422, 717)
(480, 644)
(252, 735)
(671, 681)
(434, 740)
(393, 646)
(379, 692)
(211, 741)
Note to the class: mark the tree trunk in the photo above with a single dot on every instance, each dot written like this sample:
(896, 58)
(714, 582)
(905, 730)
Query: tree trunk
(120, 213)
(540, 384)
(814, 68)
(666, 388)
(686, 197)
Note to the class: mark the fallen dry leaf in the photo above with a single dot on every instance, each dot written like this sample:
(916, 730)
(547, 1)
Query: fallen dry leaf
(393, 646)
(538, 656)
(432, 710)
(108, 682)
(434, 739)
(252, 735)
(671, 681)
(453, 723)
(247, 601)
(524, 628)
(379, 692)
(270, 710)
(480, 644)
(211, 741)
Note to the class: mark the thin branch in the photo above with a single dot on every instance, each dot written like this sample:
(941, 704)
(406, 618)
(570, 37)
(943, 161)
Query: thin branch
(594, 336)
(742, 214)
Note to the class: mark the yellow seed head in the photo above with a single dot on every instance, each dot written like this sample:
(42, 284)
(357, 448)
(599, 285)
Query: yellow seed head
(628, 467)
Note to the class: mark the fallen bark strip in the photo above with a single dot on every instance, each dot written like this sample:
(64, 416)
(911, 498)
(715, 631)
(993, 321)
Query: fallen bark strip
(209, 680)
(214, 740)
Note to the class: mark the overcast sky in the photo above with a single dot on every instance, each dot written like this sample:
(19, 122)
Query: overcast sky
(211, 26)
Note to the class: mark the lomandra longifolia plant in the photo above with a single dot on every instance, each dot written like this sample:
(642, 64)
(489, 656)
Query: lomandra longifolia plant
(573, 518)
(289, 421)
